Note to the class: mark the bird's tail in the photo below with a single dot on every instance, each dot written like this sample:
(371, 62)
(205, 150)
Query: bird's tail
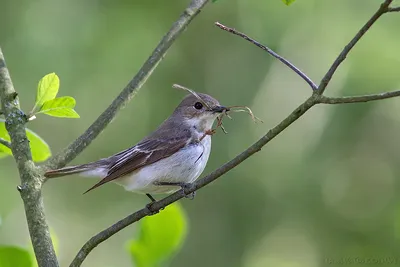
(70, 170)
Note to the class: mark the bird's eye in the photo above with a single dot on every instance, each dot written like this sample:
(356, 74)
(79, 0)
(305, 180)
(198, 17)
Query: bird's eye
(198, 105)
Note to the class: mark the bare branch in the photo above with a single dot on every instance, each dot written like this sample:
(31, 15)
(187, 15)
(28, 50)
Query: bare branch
(31, 180)
(357, 99)
(342, 56)
(5, 143)
(130, 90)
(271, 52)
(394, 9)
(156, 206)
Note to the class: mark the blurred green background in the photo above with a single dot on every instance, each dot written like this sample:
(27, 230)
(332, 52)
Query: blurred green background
(326, 189)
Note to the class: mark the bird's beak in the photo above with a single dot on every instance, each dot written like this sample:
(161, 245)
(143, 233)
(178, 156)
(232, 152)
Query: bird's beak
(219, 109)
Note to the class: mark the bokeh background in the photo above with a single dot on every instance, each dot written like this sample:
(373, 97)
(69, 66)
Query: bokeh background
(325, 190)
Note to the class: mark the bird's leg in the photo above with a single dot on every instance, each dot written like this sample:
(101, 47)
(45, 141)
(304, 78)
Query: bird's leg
(208, 132)
(184, 186)
(148, 205)
(151, 198)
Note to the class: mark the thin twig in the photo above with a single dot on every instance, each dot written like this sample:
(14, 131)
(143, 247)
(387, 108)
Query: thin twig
(342, 56)
(31, 181)
(394, 9)
(271, 52)
(5, 143)
(156, 206)
(357, 99)
(130, 90)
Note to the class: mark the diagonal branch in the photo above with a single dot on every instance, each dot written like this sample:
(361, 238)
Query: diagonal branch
(357, 99)
(271, 52)
(342, 56)
(156, 206)
(130, 90)
(31, 181)
(5, 143)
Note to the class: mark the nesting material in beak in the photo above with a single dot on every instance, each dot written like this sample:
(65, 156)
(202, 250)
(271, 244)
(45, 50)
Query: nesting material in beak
(219, 109)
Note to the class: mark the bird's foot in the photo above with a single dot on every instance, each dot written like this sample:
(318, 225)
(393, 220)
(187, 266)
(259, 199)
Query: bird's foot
(149, 205)
(184, 187)
(150, 209)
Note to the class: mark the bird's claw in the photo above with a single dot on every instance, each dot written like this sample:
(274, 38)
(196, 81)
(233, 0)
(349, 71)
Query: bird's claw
(184, 187)
(150, 209)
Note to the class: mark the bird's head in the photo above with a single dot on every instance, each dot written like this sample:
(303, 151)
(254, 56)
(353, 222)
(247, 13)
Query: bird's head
(200, 111)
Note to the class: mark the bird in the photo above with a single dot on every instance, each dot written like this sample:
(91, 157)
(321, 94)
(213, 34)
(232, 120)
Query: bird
(165, 161)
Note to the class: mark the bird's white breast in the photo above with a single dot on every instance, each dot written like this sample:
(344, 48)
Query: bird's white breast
(184, 166)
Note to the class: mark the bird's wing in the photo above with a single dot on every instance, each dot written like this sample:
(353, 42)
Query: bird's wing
(146, 152)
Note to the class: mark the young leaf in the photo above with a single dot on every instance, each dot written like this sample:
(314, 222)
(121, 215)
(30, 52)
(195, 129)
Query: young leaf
(60, 107)
(40, 149)
(4, 151)
(288, 2)
(14, 257)
(161, 236)
(47, 89)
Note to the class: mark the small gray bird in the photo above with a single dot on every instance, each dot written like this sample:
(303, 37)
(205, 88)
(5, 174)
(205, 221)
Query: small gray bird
(168, 159)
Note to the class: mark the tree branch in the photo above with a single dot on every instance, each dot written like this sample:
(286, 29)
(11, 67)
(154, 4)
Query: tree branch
(130, 90)
(342, 56)
(31, 181)
(271, 52)
(5, 143)
(357, 99)
(315, 98)
(394, 9)
(157, 206)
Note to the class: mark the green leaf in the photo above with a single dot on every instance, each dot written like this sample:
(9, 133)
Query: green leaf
(40, 149)
(14, 257)
(4, 151)
(288, 2)
(47, 89)
(161, 236)
(60, 107)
